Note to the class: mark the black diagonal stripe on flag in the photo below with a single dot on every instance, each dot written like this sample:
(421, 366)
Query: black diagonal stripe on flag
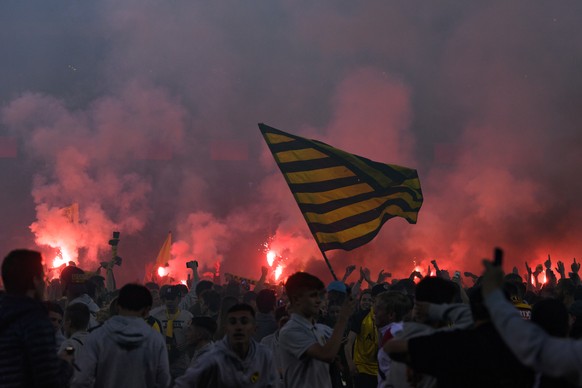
(344, 198)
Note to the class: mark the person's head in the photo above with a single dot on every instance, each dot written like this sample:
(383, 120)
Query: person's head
(518, 281)
(152, 286)
(337, 292)
(155, 291)
(390, 306)
(55, 313)
(134, 299)
(240, 325)
(548, 291)
(378, 289)
(77, 317)
(209, 301)
(96, 287)
(266, 301)
(250, 298)
(233, 289)
(225, 305)
(405, 286)
(281, 315)
(552, 316)
(202, 286)
(333, 311)
(306, 293)
(73, 281)
(218, 288)
(183, 289)
(435, 290)
(171, 297)
(54, 290)
(201, 330)
(512, 291)
(23, 274)
(366, 300)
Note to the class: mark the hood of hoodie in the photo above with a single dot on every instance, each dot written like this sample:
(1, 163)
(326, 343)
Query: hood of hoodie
(128, 332)
(15, 307)
(86, 300)
(223, 347)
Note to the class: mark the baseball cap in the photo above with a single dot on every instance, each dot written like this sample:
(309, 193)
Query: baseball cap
(380, 288)
(338, 286)
(171, 292)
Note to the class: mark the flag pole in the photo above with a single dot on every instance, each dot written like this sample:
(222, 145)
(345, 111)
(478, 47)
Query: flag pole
(328, 264)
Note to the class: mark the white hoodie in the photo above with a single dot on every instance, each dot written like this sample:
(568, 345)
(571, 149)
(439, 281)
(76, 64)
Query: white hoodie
(93, 309)
(221, 367)
(124, 352)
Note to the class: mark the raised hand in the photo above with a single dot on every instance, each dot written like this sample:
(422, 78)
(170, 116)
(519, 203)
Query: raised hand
(548, 263)
(382, 276)
(515, 271)
(492, 278)
(575, 266)
(539, 269)
(528, 268)
(350, 269)
(561, 269)
(366, 274)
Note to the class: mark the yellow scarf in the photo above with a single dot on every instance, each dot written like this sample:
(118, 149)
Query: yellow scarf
(170, 324)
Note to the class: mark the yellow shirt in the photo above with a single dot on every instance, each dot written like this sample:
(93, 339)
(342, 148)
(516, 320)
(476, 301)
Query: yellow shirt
(366, 346)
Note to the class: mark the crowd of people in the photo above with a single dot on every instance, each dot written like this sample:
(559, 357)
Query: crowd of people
(494, 330)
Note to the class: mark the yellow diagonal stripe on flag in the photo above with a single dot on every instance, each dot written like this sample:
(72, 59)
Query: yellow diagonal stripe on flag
(346, 235)
(321, 175)
(355, 209)
(276, 139)
(333, 195)
(299, 155)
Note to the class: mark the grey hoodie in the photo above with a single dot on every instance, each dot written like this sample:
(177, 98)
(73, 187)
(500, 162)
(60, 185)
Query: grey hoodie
(124, 352)
(93, 308)
(221, 367)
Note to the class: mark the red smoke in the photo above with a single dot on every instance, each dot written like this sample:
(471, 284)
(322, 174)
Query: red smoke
(145, 115)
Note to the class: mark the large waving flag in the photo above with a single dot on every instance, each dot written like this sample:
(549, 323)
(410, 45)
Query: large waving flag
(344, 198)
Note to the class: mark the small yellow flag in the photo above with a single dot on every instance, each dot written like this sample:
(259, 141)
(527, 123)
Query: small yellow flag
(164, 254)
(71, 213)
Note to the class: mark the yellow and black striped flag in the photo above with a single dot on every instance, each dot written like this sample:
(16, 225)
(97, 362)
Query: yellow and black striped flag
(344, 198)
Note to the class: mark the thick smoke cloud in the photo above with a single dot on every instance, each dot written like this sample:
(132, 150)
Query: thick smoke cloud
(144, 113)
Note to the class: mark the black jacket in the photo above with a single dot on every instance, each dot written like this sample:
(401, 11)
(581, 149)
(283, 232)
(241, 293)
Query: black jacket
(27, 346)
